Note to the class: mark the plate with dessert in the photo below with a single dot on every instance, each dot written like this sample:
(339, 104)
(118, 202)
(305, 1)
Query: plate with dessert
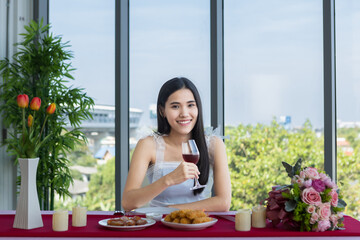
(127, 223)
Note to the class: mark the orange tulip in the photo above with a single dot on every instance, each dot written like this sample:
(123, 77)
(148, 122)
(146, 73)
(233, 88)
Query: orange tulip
(30, 120)
(22, 100)
(35, 104)
(51, 109)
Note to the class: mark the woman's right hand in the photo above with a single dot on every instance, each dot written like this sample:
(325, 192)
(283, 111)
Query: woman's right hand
(182, 173)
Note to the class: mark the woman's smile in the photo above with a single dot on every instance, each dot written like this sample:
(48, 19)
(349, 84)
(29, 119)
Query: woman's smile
(184, 122)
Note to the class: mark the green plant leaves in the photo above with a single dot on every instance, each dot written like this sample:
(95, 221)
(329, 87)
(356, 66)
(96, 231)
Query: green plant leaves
(40, 68)
(288, 168)
(292, 170)
(290, 205)
(341, 203)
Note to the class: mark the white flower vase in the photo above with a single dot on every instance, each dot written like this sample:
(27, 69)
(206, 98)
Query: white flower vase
(28, 215)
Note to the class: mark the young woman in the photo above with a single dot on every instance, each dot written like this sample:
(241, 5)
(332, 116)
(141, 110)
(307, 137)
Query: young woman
(159, 157)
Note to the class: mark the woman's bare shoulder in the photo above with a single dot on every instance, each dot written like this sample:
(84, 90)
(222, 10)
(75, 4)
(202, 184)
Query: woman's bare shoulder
(215, 142)
(218, 149)
(146, 142)
(145, 151)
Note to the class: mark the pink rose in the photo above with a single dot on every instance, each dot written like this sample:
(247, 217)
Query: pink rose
(323, 176)
(334, 186)
(334, 198)
(311, 209)
(324, 211)
(333, 218)
(323, 226)
(311, 196)
(312, 173)
(318, 185)
(330, 184)
(307, 183)
(302, 174)
(299, 181)
(314, 218)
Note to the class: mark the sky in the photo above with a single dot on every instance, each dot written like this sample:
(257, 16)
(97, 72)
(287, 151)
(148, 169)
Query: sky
(273, 62)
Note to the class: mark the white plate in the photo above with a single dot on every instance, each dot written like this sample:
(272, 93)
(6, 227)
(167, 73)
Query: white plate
(181, 226)
(162, 210)
(149, 223)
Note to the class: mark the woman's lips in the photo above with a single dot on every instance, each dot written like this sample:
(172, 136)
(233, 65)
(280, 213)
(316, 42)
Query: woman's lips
(184, 122)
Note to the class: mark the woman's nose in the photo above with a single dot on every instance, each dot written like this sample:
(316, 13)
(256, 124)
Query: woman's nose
(184, 112)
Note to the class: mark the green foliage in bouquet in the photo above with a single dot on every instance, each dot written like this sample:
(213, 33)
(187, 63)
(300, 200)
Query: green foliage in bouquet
(42, 68)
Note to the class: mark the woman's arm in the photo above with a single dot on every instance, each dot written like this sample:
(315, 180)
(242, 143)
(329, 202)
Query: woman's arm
(222, 185)
(134, 195)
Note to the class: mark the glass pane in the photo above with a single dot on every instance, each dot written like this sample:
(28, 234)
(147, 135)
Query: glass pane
(348, 102)
(89, 26)
(167, 39)
(273, 92)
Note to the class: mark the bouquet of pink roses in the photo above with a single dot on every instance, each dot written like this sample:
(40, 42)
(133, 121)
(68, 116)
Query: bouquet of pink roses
(312, 202)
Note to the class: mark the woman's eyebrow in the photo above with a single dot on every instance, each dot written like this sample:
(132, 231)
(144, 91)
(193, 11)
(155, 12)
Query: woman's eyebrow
(173, 103)
(191, 101)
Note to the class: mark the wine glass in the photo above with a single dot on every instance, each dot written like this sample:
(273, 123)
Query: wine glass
(190, 153)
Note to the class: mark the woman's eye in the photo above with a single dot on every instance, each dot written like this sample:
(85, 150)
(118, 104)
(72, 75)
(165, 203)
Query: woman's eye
(175, 107)
(192, 105)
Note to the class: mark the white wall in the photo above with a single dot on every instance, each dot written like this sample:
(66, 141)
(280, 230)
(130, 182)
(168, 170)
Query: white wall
(20, 14)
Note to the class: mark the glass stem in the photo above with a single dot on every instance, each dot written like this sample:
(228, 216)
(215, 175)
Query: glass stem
(196, 182)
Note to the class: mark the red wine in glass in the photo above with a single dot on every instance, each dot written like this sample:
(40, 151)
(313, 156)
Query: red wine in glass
(191, 154)
(192, 158)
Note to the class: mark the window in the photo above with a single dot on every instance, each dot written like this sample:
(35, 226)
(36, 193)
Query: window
(348, 102)
(89, 26)
(167, 39)
(273, 92)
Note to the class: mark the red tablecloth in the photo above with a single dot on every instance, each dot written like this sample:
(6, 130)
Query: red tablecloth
(223, 228)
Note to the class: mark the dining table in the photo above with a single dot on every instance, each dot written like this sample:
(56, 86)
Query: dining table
(224, 228)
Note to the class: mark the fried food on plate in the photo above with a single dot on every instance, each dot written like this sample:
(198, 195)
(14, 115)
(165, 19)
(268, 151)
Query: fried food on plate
(185, 220)
(201, 220)
(187, 216)
(195, 214)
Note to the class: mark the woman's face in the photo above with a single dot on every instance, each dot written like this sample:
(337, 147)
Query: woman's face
(181, 111)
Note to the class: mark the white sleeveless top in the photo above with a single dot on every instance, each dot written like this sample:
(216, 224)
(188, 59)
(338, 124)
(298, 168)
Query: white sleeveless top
(180, 193)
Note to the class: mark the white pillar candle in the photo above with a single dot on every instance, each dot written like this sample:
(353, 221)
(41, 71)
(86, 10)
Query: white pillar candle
(243, 220)
(258, 218)
(60, 221)
(79, 216)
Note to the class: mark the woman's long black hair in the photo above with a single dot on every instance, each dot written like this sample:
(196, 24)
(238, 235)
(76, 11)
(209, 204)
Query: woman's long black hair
(197, 133)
